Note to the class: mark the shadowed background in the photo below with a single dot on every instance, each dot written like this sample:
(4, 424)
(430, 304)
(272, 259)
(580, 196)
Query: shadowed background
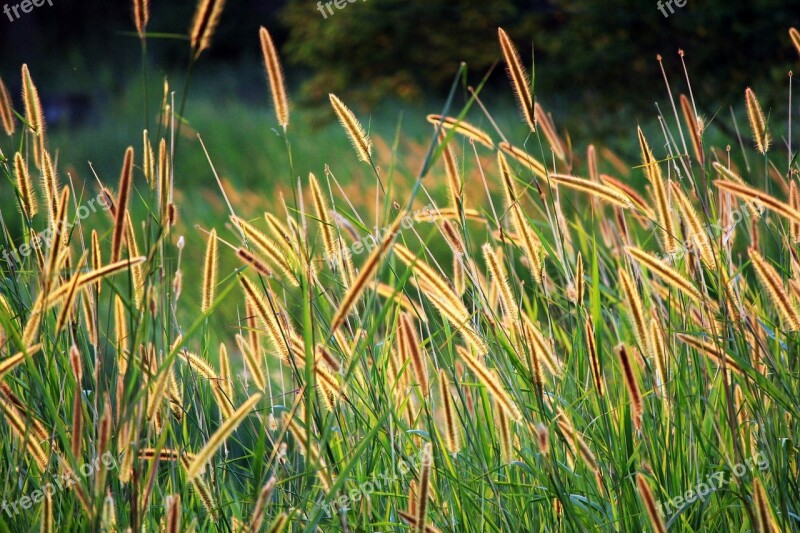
(592, 58)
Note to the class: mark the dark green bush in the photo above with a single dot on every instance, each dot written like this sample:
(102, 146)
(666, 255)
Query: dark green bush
(601, 50)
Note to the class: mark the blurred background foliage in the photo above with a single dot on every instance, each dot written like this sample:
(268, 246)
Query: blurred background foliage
(597, 52)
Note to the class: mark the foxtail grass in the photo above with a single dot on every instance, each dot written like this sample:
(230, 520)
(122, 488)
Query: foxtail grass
(758, 122)
(215, 441)
(275, 74)
(358, 136)
(6, 115)
(518, 77)
(204, 25)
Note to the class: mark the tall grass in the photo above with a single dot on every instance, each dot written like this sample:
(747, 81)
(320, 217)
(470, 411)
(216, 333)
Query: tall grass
(538, 351)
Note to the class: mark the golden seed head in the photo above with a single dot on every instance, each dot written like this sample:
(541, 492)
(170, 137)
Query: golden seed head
(6, 115)
(141, 15)
(758, 122)
(210, 272)
(206, 19)
(358, 136)
(519, 78)
(275, 73)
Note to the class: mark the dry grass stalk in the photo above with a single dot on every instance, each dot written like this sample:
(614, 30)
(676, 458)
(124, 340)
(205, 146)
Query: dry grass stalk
(421, 506)
(694, 225)
(694, 126)
(632, 384)
(416, 354)
(594, 360)
(635, 198)
(463, 128)
(409, 518)
(6, 115)
(451, 233)
(276, 332)
(27, 195)
(764, 520)
(34, 115)
(452, 431)
(525, 159)
(9, 363)
(636, 311)
(505, 438)
(275, 74)
(268, 248)
(215, 441)
(794, 35)
(518, 77)
(660, 357)
(47, 521)
(69, 299)
(141, 15)
(60, 227)
(540, 346)
(199, 365)
(656, 522)
(358, 136)
(794, 201)
(500, 277)
(549, 130)
(448, 213)
(257, 517)
(93, 276)
(772, 281)
(712, 351)
(758, 198)
(368, 270)
(594, 189)
(335, 250)
(729, 175)
(252, 362)
(663, 211)
(665, 272)
(204, 24)
(137, 271)
(210, 272)
(490, 380)
(455, 183)
(97, 258)
(16, 421)
(530, 242)
(758, 122)
(125, 180)
(50, 186)
(404, 302)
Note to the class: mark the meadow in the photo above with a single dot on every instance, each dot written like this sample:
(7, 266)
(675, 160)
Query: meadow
(484, 330)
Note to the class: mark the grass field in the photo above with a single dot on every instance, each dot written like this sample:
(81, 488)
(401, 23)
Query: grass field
(469, 326)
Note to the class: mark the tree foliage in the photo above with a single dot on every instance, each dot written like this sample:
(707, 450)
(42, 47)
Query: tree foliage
(399, 47)
(599, 50)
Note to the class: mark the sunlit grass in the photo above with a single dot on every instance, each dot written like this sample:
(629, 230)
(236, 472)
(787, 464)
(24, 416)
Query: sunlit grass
(588, 385)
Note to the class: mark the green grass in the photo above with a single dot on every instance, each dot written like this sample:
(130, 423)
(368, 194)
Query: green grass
(698, 423)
